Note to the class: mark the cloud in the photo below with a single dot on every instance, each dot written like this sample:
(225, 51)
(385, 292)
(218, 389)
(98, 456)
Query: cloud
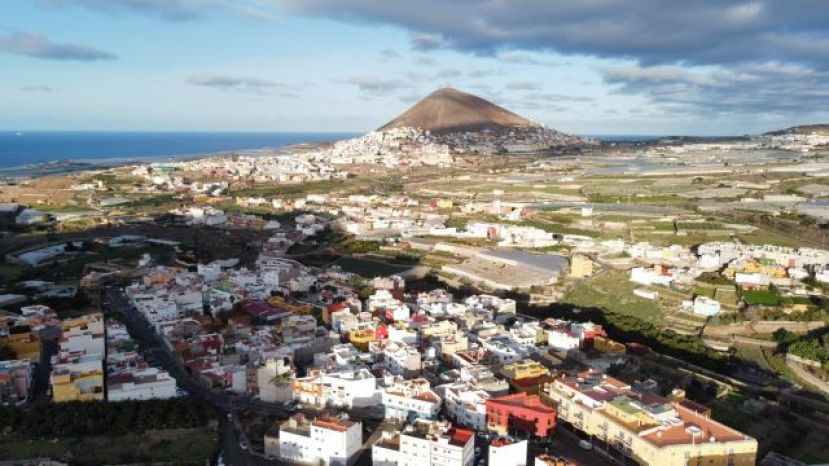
(171, 10)
(424, 61)
(448, 73)
(389, 54)
(650, 31)
(522, 86)
(376, 85)
(754, 89)
(39, 46)
(237, 84)
(559, 97)
(699, 57)
(517, 58)
(427, 41)
(36, 88)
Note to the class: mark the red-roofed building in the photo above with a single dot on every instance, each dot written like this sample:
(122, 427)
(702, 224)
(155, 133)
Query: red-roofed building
(519, 413)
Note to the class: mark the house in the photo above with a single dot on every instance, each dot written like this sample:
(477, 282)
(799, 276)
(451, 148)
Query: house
(519, 412)
(425, 443)
(504, 451)
(326, 440)
(409, 399)
(644, 427)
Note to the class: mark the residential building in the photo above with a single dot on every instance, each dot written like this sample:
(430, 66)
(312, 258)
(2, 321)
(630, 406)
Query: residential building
(646, 428)
(504, 451)
(78, 369)
(426, 443)
(326, 440)
(274, 380)
(15, 381)
(465, 405)
(25, 342)
(410, 399)
(346, 388)
(143, 384)
(520, 412)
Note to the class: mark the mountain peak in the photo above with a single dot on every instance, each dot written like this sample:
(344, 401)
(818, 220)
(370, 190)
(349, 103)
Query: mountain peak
(448, 110)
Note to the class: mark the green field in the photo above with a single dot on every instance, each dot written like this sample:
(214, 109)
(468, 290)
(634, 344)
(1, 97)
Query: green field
(614, 292)
(761, 298)
(369, 268)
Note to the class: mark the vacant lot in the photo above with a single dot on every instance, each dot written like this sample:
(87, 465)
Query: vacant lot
(368, 267)
(188, 448)
(614, 292)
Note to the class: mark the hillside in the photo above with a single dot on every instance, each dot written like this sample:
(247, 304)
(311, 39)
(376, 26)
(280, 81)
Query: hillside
(449, 110)
(802, 129)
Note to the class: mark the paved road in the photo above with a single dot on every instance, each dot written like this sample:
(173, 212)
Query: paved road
(232, 434)
(40, 386)
(234, 454)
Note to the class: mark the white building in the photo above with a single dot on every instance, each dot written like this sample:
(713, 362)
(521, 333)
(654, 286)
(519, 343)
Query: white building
(145, 384)
(507, 452)
(346, 389)
(426, 443)
(274, 380)
(326, 440)
(410, 398)
(706, 306)
(562, 339)
(466, 405)
(402, 359)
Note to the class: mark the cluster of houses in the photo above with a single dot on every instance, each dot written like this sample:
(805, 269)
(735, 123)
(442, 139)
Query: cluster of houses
(211, 176)
(443, 369)
(748, 266)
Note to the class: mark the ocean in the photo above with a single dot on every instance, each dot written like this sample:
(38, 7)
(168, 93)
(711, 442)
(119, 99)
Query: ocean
(26, 148)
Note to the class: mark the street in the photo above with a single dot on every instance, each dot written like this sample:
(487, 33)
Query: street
(232, 433)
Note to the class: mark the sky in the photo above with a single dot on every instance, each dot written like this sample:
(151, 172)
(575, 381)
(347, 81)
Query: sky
(612, 67)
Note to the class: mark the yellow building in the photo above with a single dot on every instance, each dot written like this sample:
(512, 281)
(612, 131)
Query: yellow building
(646, 428)
(280, 303)
(362, 337)
(439, 329)
(68, 385)
(581, 266)
(78, 374)
(23, 341)
(606, 345)
(526, 369)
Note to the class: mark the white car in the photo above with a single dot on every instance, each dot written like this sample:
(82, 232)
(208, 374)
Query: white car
(585, 445)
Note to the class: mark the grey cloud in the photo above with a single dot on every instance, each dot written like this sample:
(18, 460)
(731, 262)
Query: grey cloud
(760, 89)
(427, 41)
(652, 31)
(448, 73)
(516, 58)
(236, 83)
(171, 10)
(425, 61)
(376, 85)
(39, 46)
(559, 97)
(523, 86)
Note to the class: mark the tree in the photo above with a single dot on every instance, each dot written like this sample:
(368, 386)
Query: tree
(7, 353)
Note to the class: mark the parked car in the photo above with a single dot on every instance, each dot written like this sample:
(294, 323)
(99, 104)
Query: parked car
(585, 445)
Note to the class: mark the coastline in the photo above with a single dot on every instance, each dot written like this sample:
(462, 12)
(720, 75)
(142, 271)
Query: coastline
(66, 166)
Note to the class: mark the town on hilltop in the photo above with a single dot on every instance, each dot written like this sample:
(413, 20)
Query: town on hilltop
(460, 287)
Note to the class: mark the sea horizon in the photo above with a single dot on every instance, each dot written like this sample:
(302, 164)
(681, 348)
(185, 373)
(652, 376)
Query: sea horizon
(25, 148)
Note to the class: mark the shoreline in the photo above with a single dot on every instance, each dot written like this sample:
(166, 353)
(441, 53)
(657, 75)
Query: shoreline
(60, 167)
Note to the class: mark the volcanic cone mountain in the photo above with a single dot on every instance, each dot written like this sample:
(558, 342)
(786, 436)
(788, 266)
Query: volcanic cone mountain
(449, 110)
